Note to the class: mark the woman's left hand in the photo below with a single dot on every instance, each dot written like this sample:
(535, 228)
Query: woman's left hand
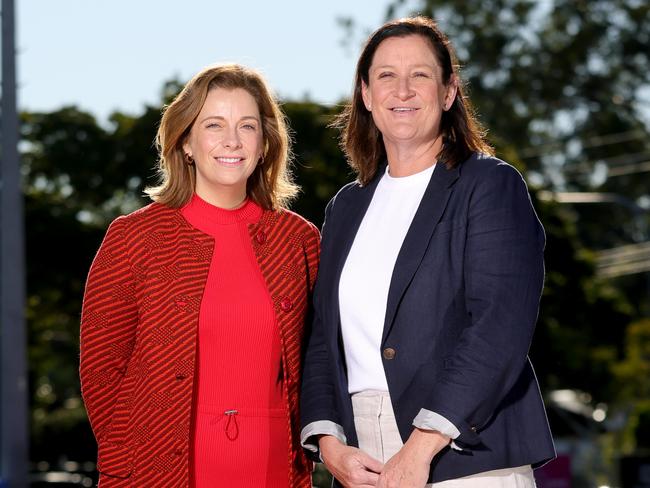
(409, 467)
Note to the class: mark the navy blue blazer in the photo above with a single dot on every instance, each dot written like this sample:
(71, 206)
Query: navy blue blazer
(462, 307)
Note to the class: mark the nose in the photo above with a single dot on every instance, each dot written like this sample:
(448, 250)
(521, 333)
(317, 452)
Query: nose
(231, 139)
(404, 91)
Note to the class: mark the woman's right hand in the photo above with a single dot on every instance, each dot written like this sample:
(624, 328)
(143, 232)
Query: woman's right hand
(350, 466)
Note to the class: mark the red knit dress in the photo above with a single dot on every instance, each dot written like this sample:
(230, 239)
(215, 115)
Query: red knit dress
(240, 420)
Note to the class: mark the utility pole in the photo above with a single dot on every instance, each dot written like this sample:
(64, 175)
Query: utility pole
(13, 366)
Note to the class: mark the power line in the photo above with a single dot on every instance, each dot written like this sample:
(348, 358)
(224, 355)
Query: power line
(629, 169)
(589, 142)
(623, 260)
(611, 162)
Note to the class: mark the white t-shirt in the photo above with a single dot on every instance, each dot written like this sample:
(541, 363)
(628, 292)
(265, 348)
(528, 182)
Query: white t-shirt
(366, 276)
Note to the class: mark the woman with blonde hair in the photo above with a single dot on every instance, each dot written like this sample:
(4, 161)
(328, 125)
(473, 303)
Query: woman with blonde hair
(194, 308)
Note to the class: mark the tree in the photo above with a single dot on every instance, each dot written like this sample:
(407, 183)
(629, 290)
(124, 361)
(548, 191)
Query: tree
(633, 375)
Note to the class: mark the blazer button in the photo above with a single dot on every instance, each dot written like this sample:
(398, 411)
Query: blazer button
(389, 353)
(180, 376)
(473, 428)
(286, 304)
(260, 237)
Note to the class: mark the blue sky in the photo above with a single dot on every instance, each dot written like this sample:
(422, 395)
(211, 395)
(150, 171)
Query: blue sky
(115, 55)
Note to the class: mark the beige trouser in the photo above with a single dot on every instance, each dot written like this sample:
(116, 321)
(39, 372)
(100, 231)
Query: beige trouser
(378, 436)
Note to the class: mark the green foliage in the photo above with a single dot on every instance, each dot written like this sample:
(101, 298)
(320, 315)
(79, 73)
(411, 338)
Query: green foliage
(321, 477)
(632, 374)
(320, 167)
(633, 371)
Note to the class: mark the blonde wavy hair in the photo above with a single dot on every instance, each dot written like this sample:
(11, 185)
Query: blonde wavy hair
(270, 185)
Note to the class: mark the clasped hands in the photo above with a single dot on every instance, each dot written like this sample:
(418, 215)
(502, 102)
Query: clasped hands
(408, 468)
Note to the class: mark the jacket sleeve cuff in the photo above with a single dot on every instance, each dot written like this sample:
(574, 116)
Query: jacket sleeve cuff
(428, 420)
(308, 438)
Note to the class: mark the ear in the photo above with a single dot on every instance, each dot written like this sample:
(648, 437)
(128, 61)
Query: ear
(265, 149)
(452, 90)
(186, 147)
(365, 94)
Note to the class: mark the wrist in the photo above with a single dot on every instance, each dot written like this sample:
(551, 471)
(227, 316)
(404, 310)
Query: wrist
(325, 441)
(428, 443)
(329, 447)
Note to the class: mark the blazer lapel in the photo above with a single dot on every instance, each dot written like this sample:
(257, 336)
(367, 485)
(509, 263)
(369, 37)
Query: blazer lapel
(417, 238)
(347, 227)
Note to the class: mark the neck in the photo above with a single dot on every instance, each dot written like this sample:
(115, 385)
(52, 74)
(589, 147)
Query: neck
(225, 199)
(406, 159)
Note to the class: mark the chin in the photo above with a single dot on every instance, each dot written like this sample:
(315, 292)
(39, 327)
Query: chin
(403, 136)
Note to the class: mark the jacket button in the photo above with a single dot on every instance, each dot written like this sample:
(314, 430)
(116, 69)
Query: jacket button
(286, 304)
(389, 353)
(473, 428)
(261, 237)
(180, 376)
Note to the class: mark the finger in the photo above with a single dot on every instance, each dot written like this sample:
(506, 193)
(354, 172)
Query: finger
(391, 480)
(362, 477)
(370, 462)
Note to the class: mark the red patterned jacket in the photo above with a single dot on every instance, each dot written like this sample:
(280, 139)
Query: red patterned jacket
(138, 337)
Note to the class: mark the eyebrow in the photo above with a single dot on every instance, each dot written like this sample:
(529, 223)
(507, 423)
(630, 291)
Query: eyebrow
(391, 66)
(219, 117)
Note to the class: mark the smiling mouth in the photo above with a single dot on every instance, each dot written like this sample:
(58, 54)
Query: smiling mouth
(401, 110)
(229, 161)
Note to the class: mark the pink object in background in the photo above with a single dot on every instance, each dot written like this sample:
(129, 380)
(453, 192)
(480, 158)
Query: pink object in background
(556, 474)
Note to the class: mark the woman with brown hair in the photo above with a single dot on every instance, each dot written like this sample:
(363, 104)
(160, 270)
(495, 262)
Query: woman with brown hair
(194, 308)
(416, 372)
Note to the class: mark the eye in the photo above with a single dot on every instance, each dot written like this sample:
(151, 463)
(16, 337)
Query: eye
(213, 125)
(385, 74)
(249, 126)
(421, 74)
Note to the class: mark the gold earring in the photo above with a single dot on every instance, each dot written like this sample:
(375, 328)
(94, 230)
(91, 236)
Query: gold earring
(189, 160)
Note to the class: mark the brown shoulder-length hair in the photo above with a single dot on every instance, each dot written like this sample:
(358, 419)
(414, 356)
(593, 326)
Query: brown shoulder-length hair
(361, 140)
(270, 185)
